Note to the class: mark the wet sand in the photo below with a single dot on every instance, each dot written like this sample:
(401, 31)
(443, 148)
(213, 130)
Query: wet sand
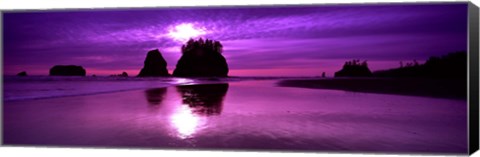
(252, 115)
(441, 88)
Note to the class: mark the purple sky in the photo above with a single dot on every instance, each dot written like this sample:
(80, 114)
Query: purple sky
(266, 41)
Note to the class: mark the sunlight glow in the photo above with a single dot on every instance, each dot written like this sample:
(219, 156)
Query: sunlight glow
(183, 81)
(185, 31)
(185, 122)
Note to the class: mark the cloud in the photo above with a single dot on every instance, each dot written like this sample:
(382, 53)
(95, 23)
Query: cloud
(263, 37)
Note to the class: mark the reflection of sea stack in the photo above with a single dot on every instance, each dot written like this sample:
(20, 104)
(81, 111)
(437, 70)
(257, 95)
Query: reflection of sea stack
(354, 69)
(206, 99)
(154, 65)
(201, 59)
(155, 96)
(67, 70)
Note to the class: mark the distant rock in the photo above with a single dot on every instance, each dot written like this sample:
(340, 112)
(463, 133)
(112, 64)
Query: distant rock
(123, 74)
(23, 73)
(67, 70)
(354, 69)
(154, 65)
(201, 59)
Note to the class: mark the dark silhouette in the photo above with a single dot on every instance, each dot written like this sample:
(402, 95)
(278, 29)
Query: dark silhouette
(124, 74)
(444, 77)
(354, 69)
(23, 73)
(429, 87)
(323, 74)
(67, 70)
(205, 99)
(155, 96)
(154, 65)
(201, 59)
(452, 65)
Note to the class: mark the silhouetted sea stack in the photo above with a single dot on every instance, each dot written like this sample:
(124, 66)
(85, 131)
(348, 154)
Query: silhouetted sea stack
(67, 70)
(452, 65)
(23, 73)
(124, 74)
(154, 65)
(201, 59)
(354, 69)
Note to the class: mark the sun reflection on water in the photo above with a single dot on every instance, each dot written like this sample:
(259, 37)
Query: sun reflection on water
(183, 81)
(185, 121)
(191, 111)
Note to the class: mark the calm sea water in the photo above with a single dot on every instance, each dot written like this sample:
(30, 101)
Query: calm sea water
(226, 114)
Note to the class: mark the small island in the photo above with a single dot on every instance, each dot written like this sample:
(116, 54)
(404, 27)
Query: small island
(23, 73)
(154, 65)
(354, 69)
(201, 59)
(67, 70)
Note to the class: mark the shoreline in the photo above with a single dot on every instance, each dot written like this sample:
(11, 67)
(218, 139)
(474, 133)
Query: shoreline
(426, 87)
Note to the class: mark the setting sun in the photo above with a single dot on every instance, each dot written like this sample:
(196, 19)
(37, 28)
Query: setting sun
(185, 31)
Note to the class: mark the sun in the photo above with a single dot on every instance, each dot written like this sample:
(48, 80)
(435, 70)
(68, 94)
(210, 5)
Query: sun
(185, 31)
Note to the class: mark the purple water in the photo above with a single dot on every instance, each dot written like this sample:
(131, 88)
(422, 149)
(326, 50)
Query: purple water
(238, 115)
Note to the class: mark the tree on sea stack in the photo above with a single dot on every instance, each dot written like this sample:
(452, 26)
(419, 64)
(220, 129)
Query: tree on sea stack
(201, 58)
(354, 69)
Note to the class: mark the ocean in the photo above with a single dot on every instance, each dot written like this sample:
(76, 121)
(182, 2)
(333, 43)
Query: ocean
(230, 113)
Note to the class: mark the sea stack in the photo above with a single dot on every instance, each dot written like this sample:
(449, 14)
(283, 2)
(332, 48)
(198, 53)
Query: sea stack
(124, 74)
(23, 73)
(354, 69)
(201, 59)
(67, 70)
(154, 65)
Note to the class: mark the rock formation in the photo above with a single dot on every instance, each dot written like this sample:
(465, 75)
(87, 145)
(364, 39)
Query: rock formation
(154, 65)
(201, 59)
(354, 69)
(123, 74)
(67, 70)
(23, 73)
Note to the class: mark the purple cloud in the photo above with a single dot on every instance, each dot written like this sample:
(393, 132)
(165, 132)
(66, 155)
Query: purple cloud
(320, 37)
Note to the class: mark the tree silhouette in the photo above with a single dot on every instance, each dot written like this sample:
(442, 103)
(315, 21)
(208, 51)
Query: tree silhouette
(452, 65)
(201, 58)
(354, 68)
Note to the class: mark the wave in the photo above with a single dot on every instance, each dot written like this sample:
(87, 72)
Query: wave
(40, 87)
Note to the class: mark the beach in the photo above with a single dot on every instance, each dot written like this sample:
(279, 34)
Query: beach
(241, 115)
(454, 88)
